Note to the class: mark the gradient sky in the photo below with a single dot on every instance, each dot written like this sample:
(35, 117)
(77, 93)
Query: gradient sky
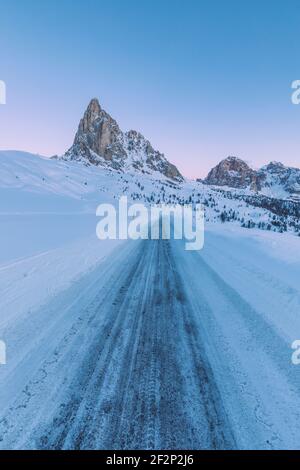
(201, 79)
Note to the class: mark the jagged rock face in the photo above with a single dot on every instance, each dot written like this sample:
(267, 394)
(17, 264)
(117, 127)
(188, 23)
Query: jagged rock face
(275, 174)
(274, 179)
(235, 173)
(137, 146)
(100, 141)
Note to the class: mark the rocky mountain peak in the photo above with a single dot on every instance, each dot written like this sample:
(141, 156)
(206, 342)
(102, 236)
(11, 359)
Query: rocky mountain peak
(276, 175)
(233, 172)
(274, 179)
(100, 141)
(94, 109)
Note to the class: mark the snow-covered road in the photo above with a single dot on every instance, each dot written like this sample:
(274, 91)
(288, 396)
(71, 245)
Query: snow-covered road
(155, 348)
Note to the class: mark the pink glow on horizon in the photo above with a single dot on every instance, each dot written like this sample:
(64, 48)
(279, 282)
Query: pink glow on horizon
(48, 132)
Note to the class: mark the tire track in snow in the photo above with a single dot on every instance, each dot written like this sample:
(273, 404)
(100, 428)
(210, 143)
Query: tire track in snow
(143, 380)
(251, 361)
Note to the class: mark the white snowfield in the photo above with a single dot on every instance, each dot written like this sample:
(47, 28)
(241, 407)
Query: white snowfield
(142, 344)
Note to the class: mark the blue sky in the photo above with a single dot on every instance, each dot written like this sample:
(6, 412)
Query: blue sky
(200, 79)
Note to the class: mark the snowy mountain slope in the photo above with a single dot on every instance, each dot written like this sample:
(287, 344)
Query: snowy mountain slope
(70, 185)
(29, 183)
(278, 178)
(46, 203)
(100, 141)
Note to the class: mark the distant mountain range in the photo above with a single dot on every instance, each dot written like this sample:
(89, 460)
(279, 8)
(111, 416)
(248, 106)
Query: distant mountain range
(104, 163)
(274, 179)
(99, 141)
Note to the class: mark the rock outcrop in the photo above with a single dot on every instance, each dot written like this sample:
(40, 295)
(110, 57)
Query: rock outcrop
(276, 175)
(235, 173)
(100, 141)
(274, 179)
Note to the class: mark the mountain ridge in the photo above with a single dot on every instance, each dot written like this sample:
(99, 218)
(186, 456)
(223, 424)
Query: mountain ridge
(100, 141)
(274, 177)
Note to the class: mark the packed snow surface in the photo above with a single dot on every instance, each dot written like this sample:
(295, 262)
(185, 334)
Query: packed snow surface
(139, 344)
